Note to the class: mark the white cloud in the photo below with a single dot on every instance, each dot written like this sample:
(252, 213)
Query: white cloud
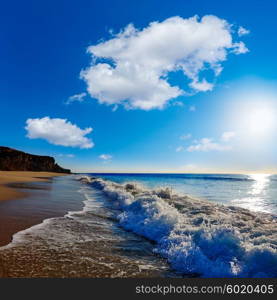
(185, 136)
(58, 132)
(240, 48)
(243, 31)
(78, 97)
(202, 86)
(135, 64)
(227, 136)
(105, 156)
(207, 144)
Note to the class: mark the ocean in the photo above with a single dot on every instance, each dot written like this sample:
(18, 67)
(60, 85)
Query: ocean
(154, 225)
(257, 192)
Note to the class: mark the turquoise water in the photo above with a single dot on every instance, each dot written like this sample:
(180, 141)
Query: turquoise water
(255, 192)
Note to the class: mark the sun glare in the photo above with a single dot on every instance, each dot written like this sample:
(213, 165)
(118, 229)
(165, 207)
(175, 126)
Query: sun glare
(260, 120)
(255, 115)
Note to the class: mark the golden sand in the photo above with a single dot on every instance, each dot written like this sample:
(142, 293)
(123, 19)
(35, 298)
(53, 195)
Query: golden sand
(8, 177)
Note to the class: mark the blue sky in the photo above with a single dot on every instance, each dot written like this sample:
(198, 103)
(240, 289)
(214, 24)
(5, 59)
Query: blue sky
(173, 116)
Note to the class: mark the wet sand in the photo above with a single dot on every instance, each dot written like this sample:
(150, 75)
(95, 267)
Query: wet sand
(83, 245)
(21, 193)
(7, 178)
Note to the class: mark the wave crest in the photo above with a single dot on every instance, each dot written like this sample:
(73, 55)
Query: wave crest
(197, 236)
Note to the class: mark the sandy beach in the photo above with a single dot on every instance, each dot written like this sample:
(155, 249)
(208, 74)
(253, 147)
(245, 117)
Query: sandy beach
(10, 177)
(48, 241)
(20, 193)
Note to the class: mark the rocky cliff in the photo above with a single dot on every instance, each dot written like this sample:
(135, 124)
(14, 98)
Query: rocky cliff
(14, 160)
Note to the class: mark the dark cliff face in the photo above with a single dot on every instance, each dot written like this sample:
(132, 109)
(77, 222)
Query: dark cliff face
(14, 160)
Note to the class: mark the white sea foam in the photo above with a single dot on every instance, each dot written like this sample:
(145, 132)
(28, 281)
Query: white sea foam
(197, 236)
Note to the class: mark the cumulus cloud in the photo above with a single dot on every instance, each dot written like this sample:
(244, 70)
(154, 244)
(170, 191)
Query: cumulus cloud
(132, 68)
(243, 31)
(227, 136)
(207, 144)
(240, 48)
(202, 86)
(78, 97)
(58, 132)
(105, 156)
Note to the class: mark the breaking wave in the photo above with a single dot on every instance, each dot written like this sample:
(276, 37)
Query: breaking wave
(195, 236)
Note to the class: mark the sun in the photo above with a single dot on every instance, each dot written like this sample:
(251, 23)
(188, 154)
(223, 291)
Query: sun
(255, 116)
(260, 119)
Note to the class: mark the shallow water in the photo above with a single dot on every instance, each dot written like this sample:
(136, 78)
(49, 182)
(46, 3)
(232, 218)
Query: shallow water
(53, 198)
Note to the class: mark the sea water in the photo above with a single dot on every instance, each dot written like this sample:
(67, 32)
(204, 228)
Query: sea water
(211, 225)
(200, 225)
(257, 192)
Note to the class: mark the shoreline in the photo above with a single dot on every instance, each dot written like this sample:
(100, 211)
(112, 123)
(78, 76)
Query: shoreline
(18, 189)
(108, 235)
(99, 248)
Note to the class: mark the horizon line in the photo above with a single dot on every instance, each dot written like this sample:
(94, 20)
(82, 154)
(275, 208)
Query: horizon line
(221, 173)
